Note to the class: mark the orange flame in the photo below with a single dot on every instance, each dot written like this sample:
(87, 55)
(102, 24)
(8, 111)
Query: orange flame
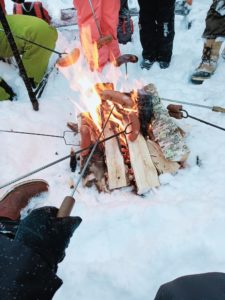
(90, 48)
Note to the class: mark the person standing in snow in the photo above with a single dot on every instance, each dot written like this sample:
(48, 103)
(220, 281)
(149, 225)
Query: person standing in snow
(156, 21)
(31, 248)
(107, 15)
(35, 59)
(213, 35)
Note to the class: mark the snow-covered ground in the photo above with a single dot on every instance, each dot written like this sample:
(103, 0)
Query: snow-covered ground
(127, 245)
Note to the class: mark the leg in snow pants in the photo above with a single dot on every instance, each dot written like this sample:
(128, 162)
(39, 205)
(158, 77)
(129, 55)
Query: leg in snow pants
(156, 22)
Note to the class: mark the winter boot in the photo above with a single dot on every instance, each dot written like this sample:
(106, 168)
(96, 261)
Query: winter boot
(146, 63)
(16, 199)
(164, 64)
(209, 62)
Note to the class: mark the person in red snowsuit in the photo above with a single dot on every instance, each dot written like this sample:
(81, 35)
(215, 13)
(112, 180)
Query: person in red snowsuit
(107, 14)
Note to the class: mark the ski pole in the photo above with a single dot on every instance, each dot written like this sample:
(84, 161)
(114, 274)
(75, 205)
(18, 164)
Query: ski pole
(213, 108)
(125, 131)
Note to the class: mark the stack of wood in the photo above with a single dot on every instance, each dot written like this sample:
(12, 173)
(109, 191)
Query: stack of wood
(134, 158)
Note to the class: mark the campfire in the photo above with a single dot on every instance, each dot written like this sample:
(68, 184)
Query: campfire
(152, 143)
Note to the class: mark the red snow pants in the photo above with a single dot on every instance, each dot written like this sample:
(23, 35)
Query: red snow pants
(107, 14)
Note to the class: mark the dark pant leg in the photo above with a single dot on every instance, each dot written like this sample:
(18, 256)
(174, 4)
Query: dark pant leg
(123, 4)
(215, 23)
(147, 23)
(165, 29)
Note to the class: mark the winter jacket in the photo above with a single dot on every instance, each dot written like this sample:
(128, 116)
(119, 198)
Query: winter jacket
(24, 275)
(207, 286)
(107, 14)
(156, 21)
(215, 21)
(35, 59)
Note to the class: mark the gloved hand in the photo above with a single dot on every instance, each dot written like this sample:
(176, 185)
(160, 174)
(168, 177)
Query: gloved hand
(46, 234)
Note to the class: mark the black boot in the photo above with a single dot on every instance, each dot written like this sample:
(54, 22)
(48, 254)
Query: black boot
(146, 63)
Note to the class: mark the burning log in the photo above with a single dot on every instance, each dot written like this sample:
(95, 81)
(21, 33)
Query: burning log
(145, 173)
(115, 163)
(167, 133)
(143, 154)
(117, 176)
(95, 173)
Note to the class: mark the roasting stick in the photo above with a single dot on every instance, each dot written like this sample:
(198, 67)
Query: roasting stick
(69, 201)
(212, 108)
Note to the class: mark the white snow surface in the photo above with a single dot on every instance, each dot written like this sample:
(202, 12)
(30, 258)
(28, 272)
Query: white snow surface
(127, 245)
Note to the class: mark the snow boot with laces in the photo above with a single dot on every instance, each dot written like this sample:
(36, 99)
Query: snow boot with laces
(209, 61)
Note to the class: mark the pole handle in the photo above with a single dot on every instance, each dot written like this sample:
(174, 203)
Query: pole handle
(66, 207)
(218, 109)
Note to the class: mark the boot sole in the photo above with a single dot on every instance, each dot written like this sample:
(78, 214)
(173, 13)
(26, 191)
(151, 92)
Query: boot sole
(197, 81)
(43, 188)
(200, 77)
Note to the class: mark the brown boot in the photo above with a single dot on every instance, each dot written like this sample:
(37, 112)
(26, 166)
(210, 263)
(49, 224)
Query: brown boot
(208, 64)
(16, 199)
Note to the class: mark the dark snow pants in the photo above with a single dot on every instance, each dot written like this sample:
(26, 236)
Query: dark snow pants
(156, 22)
(207, 286)
(215, 21)
(123, 4)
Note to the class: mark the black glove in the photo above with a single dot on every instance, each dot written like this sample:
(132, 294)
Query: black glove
(46, 234)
